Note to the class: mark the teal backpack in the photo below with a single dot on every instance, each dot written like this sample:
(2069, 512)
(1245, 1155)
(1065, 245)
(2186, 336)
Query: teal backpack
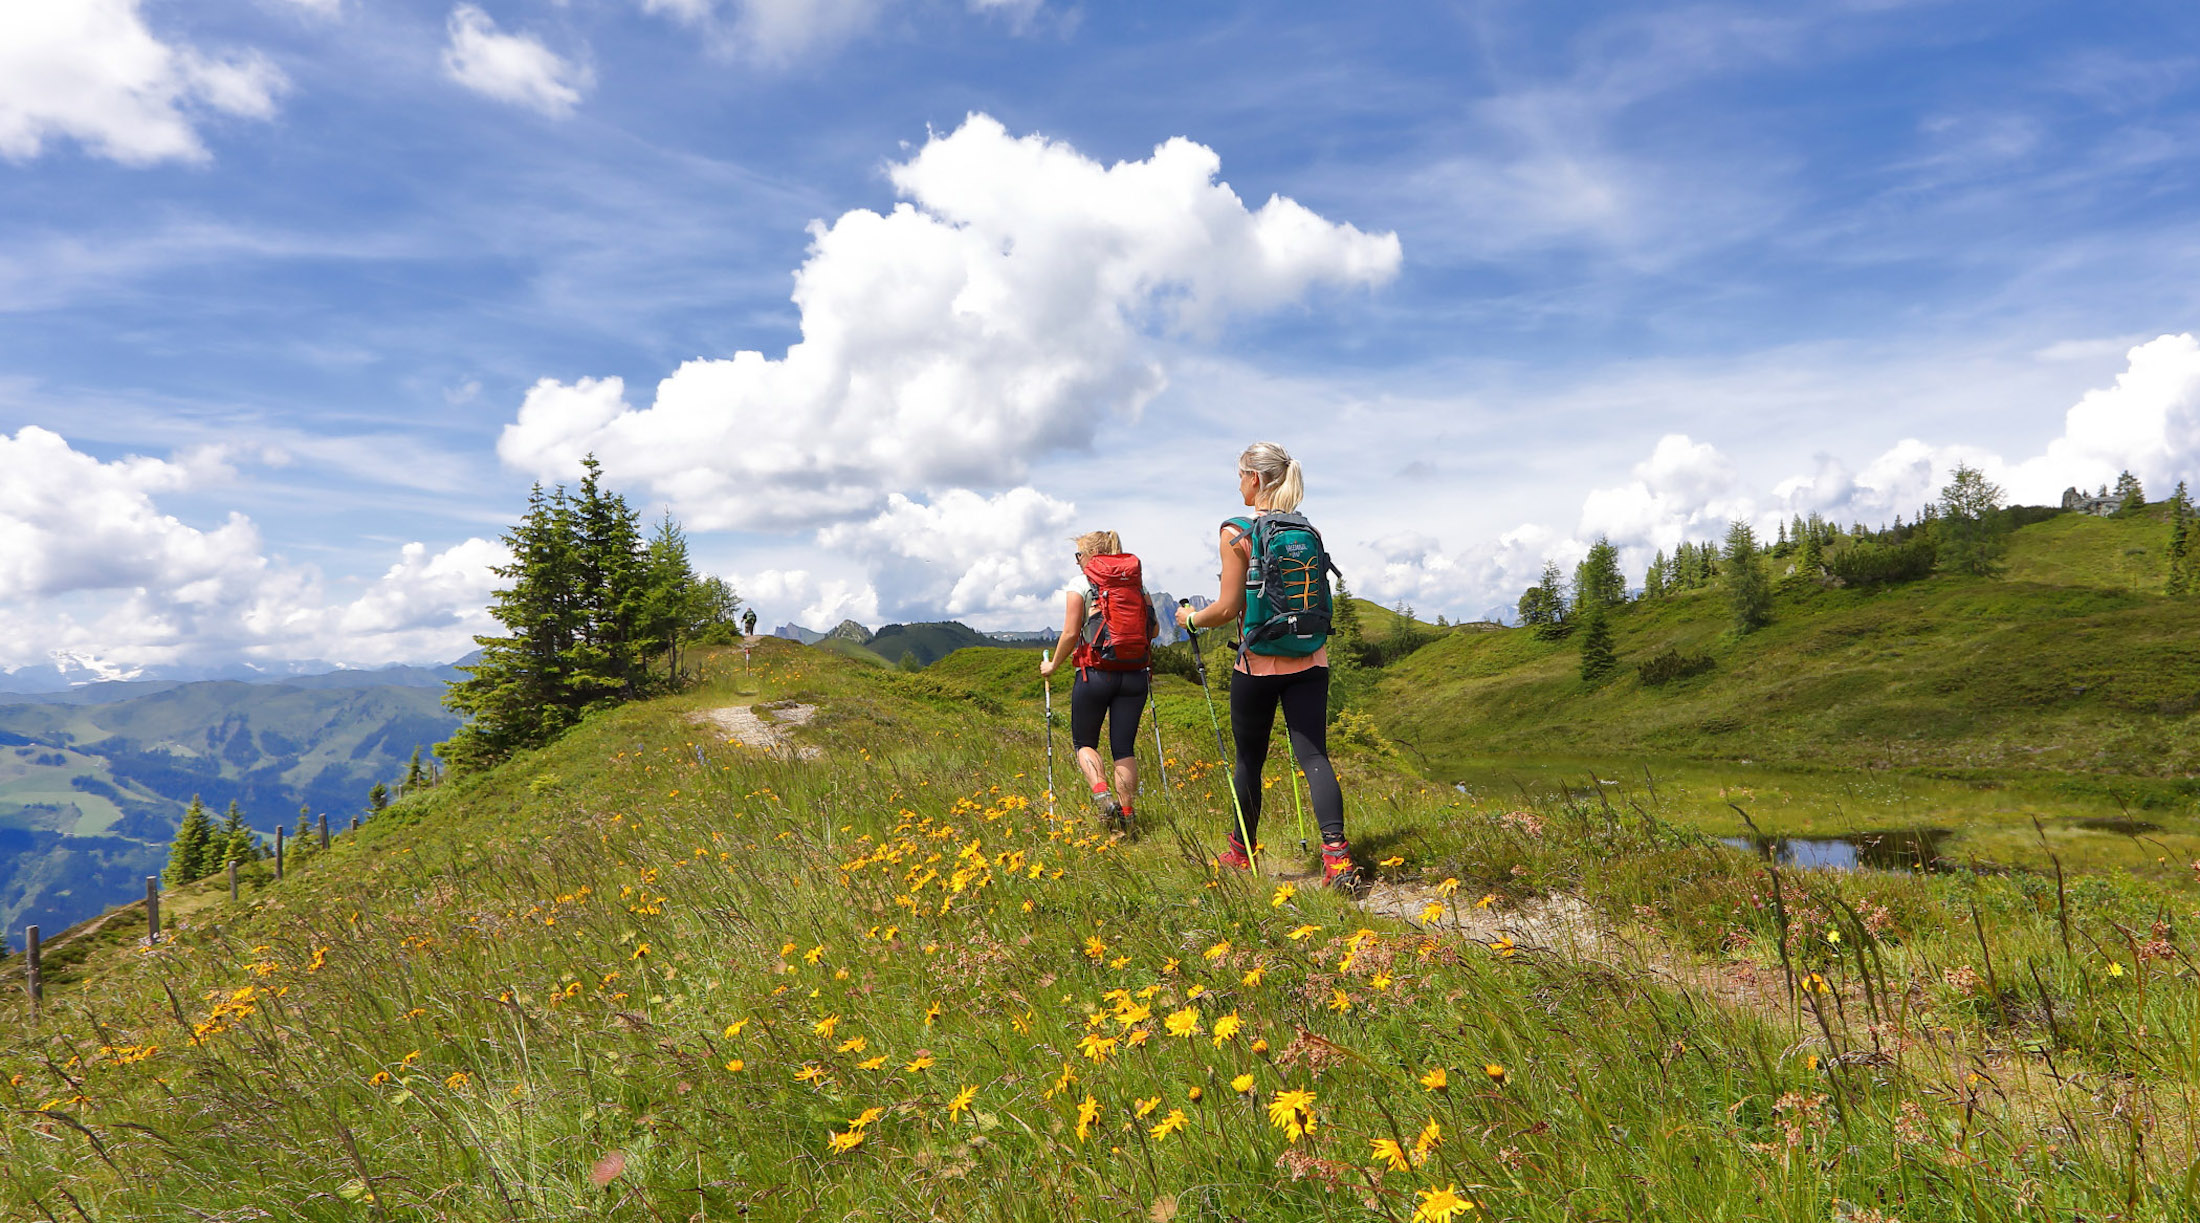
(1287, 603)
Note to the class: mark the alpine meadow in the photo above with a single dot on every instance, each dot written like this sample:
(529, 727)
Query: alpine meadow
(1029, 611)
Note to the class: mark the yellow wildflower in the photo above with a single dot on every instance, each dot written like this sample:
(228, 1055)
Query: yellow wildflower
(1176, 1120)
(854, 1044)
(824, 1027)
(1242, 1084)
(1284, 892)
(872, 1063)
(1097, 1047)
(1430, 912)
(1435, 1079)
(841, 1144)
(1447, 887)
(1227, 1027)
(1293, 1113)
(1217, 951)
(1301, 933)
(961, 1102)
(923, 1061)
(1441, 1205)
(1339, 1001)
(1388, 1151)
(1087, 1113)
(734, 1029)
(1142, 1107)
(736, 1066)
(1393, 860)
(1183, 1023)
(1497, 1073)
(1430, 1138)
(1251, 979)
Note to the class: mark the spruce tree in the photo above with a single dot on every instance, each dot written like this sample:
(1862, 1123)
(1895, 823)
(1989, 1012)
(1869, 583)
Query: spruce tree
(378, 798)
(1748, 590)
(1653, 579)
(416, 774)
(605, 663)
(194, 839)
(233, 843)
(672, 599)
(516, 695)
(1810, 561)
(2130, 497)
(1597, 657)
(1347, 652)
(1597, 580)
(2180, 583)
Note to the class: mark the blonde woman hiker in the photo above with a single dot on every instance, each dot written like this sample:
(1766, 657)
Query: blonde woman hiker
(1275, 586)
(1107, 634)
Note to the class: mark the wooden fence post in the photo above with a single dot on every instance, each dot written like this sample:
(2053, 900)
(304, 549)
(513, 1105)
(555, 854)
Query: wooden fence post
(31, 976)
(232, 881)
(152, 909)
(279, 853)
(324, 830)
(355, 823)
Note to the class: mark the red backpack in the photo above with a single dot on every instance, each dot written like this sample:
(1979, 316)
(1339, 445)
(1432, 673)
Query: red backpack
(1119, 621)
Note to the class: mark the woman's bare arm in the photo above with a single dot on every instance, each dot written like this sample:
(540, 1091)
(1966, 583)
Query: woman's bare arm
(1073, 628)
(1230, 601)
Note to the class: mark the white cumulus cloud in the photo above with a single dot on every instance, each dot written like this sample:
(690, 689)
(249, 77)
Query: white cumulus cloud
(2147, 423)
(821, 602)
(1007, 309)
(91, 565)
(997, 561)
(514, 68)
(92, 71)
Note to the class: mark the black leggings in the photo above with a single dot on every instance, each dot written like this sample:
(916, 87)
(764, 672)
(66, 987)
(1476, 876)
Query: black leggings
(1120, 697)
(1304, 696)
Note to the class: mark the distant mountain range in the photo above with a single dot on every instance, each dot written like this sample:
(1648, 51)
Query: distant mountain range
(930, 641)
(95, 778)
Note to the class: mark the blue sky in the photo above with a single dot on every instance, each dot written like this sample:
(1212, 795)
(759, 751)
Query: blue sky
(311, 259)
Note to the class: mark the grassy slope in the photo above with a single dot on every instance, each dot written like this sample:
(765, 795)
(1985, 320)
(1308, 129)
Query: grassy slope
(2025, 673)
(616, 956)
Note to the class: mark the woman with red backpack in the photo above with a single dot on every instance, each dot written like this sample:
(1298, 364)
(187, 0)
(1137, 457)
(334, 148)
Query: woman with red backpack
(1275, 585)
(1107, 633)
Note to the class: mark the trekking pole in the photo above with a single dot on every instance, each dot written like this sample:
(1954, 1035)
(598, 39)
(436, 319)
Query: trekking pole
(1297, 802)
(1047, 685)
(1222, 754)
(1161, 758)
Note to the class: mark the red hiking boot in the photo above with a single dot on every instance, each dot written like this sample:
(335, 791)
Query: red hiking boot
(1337, 869)
(1234, 856)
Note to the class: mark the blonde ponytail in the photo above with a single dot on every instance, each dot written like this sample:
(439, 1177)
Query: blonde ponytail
(1099, 543)
(1282, 486)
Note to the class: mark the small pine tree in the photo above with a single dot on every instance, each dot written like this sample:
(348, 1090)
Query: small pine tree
(1810, 561)
(2130, 497)
(1597, 580)
(1545, 606)
(1597, 657)
(1653, 579)
(378, 798)
(1748, 590)
(2181, 581)
(233, 843)
(301, 838)
(416, 773)
(1347, 653)
(187, 855)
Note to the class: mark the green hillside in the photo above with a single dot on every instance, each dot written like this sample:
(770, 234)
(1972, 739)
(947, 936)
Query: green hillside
(91, 792)
(2059, 666)
(649, 974)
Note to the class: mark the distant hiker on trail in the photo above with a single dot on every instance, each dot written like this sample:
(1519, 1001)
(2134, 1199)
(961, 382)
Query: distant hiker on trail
(748, 623)
(1107, 634)
(1275, 584)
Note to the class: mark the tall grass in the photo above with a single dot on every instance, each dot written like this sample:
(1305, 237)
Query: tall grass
(644, 974)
